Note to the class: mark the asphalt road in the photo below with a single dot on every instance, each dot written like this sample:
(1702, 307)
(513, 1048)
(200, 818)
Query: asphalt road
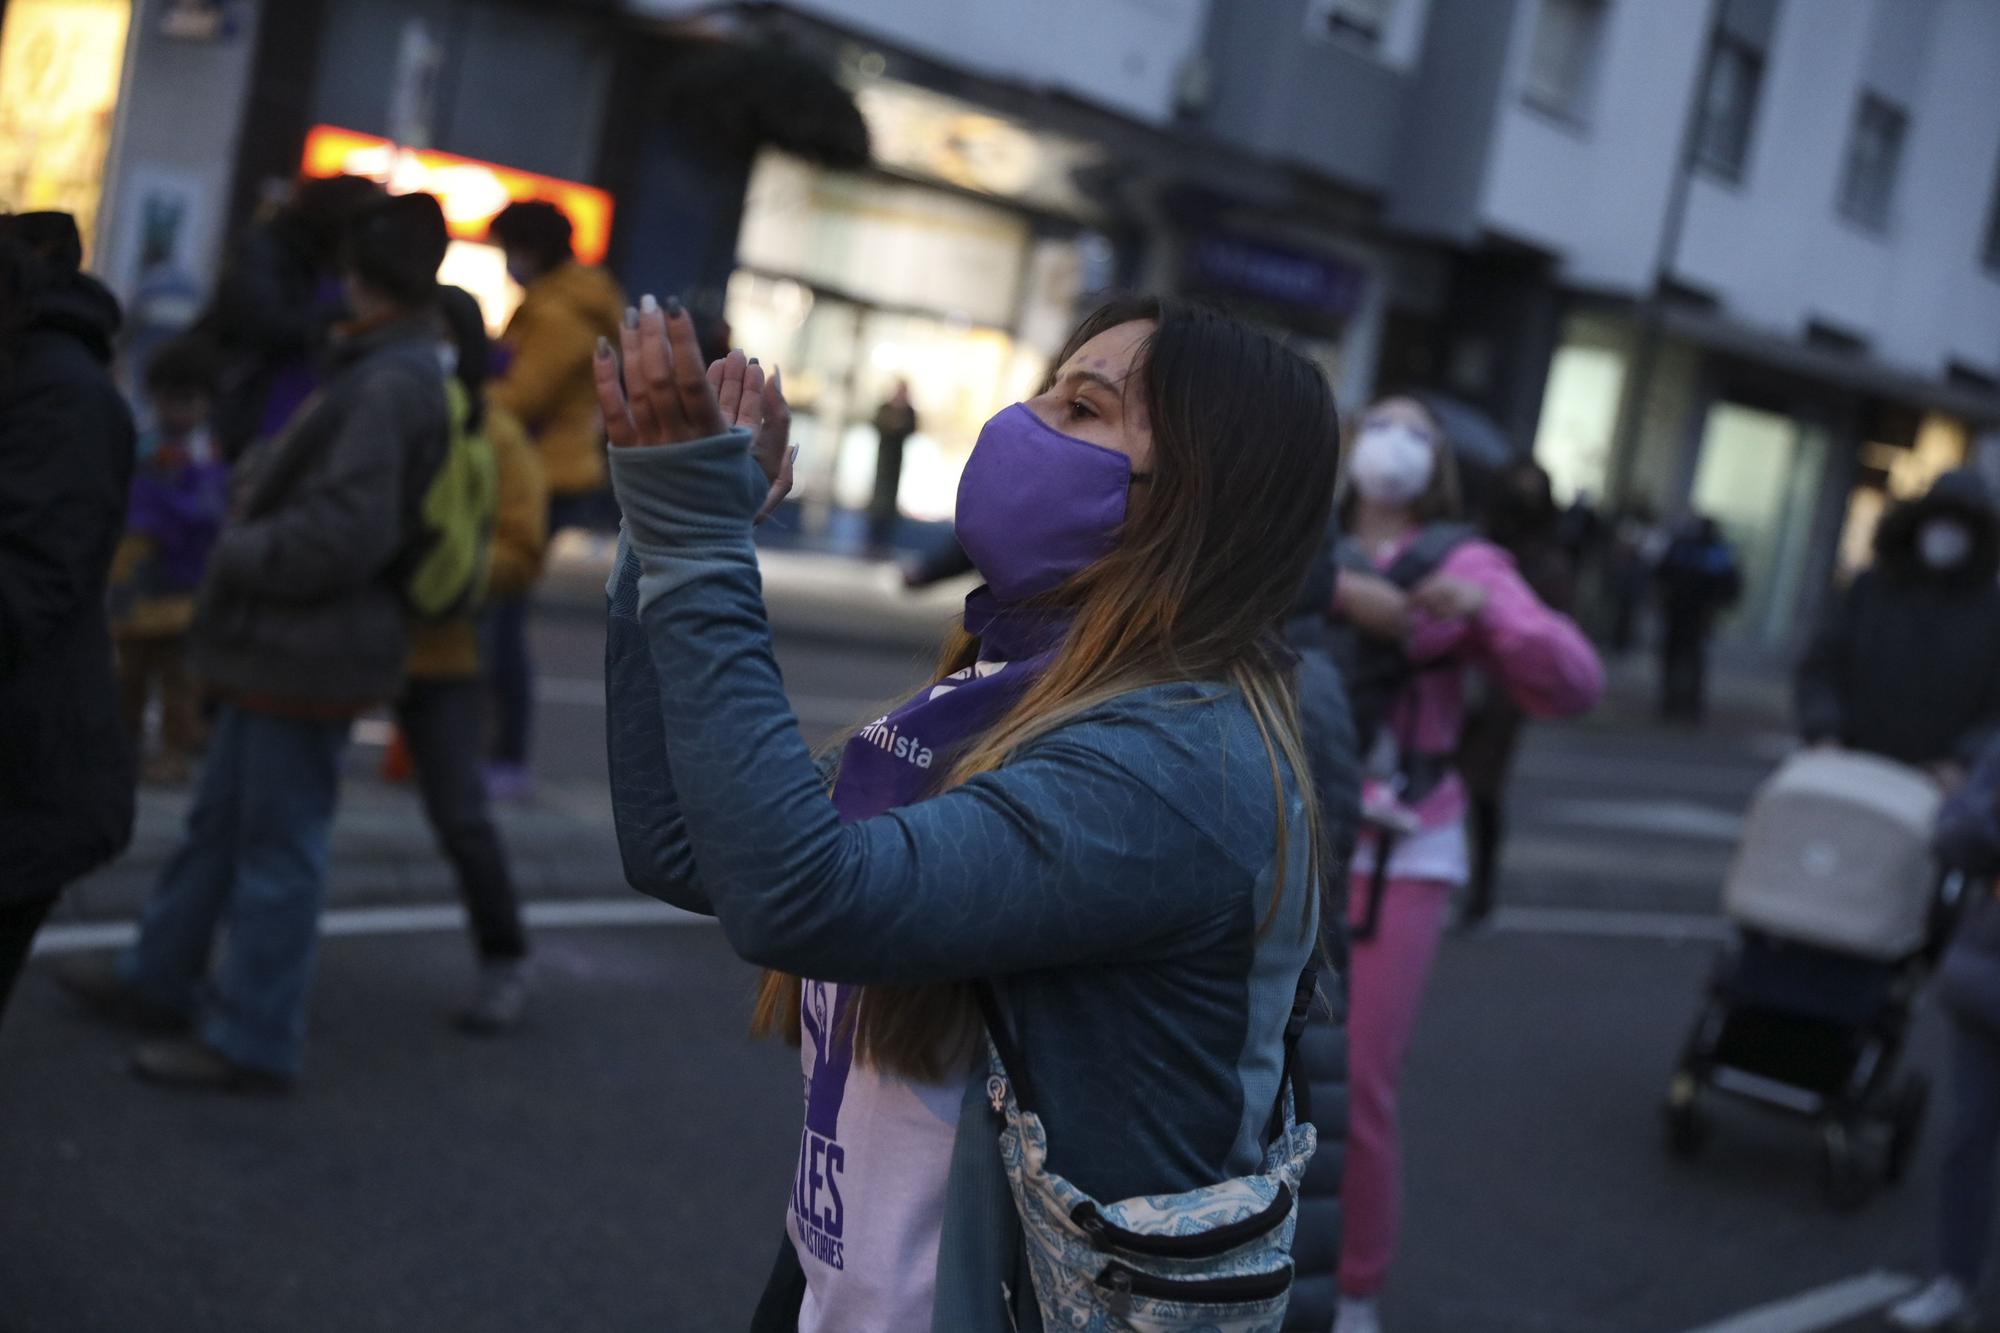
(622, 1162)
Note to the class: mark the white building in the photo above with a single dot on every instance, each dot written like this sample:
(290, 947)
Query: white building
(1825, 259)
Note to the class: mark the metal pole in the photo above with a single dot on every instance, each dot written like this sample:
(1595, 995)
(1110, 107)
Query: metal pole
(1652, 307)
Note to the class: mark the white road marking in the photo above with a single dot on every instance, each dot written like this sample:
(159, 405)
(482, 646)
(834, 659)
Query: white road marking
(560, 914)
(1685, 819)
(1820, 1308)
(574, 913)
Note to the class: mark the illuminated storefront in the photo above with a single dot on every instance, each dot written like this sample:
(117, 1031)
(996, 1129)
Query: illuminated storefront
(471, 192)
(852, 281)
(62, 65)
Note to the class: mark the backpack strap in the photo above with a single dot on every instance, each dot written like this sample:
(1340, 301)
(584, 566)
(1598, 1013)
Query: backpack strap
(1432, 545)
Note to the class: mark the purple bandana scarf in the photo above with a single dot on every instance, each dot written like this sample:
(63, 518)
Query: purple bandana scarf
(898, 759)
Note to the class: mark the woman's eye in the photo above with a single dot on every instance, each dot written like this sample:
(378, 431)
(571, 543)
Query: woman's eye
(1079, 409)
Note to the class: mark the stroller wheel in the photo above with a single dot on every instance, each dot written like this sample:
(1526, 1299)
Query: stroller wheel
(1843, 1174)
(1687, 1127)
(1906, 1123)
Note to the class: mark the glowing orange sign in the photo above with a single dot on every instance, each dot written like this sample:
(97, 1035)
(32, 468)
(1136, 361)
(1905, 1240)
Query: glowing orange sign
(470, 191)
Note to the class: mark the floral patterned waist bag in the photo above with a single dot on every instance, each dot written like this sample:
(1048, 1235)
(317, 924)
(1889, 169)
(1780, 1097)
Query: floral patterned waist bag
(1216, 1259)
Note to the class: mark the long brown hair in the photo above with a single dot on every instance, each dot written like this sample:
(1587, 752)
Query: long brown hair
(1245, 450)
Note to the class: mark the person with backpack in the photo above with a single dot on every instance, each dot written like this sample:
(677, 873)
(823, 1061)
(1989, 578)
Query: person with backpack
(1463, 606)
(1090, 838)
(488, 502)
(301, 625)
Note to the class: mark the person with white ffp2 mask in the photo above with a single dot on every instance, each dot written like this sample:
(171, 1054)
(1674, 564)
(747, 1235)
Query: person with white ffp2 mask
(1907, 661)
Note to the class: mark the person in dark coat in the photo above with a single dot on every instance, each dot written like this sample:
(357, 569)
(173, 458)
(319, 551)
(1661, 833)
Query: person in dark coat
(895, 423)
(66, 451)
(275, 307)
(1327, 728)
(1906, 663)
(1968, 839)
(1522, 520)
(1698, 580)
(301, 625)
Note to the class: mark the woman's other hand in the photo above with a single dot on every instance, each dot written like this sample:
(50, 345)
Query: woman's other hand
(1445, 597)
(1372, 604)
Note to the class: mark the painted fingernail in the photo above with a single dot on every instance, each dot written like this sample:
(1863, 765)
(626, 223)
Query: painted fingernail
(753, 360)
(795, 454)
(631, 317)
(648, 304)
(673, 305)
(603, 348)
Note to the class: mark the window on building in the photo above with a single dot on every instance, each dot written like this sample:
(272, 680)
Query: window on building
(1562, 59)
(1874, 151)
(1730, 85)
(1364, 23)
(1990, 252)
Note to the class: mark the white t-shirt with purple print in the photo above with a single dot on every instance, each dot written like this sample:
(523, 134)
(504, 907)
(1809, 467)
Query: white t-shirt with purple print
(868, 1195)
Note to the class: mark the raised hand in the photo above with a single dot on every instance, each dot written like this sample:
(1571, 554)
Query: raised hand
(656, 393)
(662, 396)
(758, 404)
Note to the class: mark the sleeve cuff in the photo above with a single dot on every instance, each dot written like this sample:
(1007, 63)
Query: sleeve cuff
(695, 495)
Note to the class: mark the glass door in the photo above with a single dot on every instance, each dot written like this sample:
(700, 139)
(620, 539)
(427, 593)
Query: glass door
(1759, 477)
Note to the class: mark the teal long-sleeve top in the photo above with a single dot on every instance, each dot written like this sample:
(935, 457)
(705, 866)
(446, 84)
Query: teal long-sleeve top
(1115, 881)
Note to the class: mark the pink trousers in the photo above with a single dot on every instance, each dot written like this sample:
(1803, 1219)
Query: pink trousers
(1386, 979)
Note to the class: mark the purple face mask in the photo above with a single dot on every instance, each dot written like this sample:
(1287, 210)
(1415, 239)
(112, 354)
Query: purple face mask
(1036, 505)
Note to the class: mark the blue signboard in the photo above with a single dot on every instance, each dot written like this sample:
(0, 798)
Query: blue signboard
(1274, 273)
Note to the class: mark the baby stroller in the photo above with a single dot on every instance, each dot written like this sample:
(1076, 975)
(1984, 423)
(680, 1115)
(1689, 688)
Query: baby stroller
(1841, 915)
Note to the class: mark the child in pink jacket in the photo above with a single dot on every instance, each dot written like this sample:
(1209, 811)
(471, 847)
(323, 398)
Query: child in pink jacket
(1473, 612)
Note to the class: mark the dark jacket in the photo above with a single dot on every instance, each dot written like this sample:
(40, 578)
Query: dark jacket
(66, 455)
(1968, 839)
(303, 600)
(1329, 738)
(1907, 661)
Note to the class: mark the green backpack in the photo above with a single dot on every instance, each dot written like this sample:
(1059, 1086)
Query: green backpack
(448, 570)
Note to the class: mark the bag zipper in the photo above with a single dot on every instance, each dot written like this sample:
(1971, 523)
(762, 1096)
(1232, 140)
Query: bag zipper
(1121, 1284)
(1106, 1237)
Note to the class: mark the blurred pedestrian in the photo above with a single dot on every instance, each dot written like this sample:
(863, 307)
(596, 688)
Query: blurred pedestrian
(1522, 520)
(301, 625)
(180, 492)
(65, 464)
(275, 308)
(1698, 580)
(1630, 559)
(1089, 834)
(895, 423)
(1968, 839)
(1471, 610)
(442, 709)
(566, 306)
(1906, 662)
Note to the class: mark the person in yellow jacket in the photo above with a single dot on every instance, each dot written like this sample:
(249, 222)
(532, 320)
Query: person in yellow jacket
(546, 382)
(442, 709)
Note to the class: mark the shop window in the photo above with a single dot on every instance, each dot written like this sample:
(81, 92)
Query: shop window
(62, 63)
(1563, 56)
(1759, 476)
(1730, 87)
(1574, 438)
(1874, 153)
